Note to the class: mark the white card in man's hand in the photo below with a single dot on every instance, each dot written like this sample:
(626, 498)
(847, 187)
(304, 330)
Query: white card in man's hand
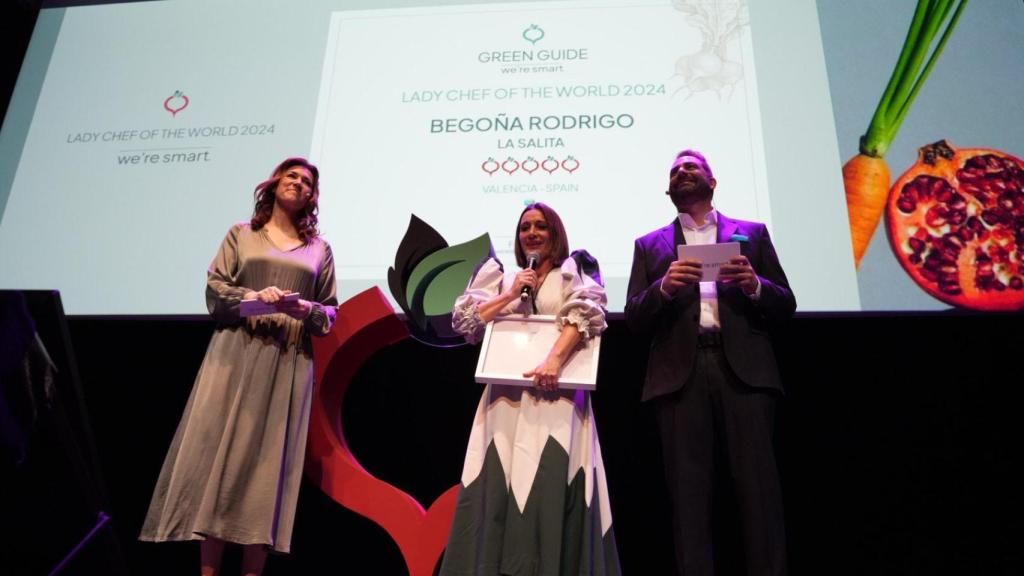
(711, 256)
(257, 307)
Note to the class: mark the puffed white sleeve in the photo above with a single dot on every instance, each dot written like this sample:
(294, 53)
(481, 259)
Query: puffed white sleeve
(584, 300)
(485, 284)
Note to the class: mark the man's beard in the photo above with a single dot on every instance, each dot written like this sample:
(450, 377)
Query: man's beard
(699, 192)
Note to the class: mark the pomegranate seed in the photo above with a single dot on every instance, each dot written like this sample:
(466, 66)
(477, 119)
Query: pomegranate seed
(950, 288)
(1007, 200)
(936, 216)
(991, 217)
(912, 189)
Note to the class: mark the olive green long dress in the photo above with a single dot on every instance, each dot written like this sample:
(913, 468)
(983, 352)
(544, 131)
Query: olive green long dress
(234, 467)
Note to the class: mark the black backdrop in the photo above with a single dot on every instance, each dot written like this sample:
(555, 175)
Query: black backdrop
(899, 443)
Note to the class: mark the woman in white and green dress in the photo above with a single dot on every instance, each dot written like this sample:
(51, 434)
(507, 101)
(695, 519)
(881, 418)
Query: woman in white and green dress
(534, 498)
(233, 470)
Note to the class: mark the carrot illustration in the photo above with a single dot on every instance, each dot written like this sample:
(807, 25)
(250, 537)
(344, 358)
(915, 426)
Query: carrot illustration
(866, 176)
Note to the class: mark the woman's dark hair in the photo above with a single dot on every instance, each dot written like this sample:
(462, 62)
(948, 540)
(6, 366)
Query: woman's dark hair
(556, 235)
(306, 220)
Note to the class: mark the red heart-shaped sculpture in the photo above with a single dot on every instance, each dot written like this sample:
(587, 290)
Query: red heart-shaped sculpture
(365, 324)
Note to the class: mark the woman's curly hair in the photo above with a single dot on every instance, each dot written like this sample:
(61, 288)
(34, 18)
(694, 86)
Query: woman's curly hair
(265, 194)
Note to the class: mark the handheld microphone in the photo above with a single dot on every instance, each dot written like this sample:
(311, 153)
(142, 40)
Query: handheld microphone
(531, 263)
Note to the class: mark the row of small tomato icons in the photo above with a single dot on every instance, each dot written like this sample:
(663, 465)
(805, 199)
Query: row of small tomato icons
(550, 165)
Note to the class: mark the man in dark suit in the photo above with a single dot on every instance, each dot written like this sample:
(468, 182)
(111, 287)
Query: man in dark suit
(711, 374)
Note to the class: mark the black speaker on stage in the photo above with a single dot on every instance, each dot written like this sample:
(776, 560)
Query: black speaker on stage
(53, 499)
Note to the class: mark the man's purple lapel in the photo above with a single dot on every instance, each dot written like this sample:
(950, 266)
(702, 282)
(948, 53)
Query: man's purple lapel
(672, 236)
(726, 228)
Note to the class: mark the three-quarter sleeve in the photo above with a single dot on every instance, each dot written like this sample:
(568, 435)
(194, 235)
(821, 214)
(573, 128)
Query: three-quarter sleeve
(223, 294)
(485, 284)
(325, 301)
(584, 301)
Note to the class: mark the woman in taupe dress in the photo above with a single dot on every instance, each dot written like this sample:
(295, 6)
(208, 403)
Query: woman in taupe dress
(233, 470)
